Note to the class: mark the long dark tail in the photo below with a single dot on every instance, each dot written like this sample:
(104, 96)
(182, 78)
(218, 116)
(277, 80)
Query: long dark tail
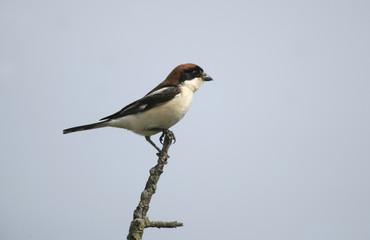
(85, 127)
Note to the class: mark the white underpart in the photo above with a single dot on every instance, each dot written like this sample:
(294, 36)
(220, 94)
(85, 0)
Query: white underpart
(194, 84)
(163, 116)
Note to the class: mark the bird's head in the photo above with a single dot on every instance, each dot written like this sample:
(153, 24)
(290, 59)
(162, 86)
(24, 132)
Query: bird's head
(189, 75)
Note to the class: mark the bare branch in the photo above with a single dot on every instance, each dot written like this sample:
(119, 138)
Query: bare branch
(140, 220)
(159, 224)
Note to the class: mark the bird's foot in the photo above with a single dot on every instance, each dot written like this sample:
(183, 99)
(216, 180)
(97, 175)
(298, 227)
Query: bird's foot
(169, 133)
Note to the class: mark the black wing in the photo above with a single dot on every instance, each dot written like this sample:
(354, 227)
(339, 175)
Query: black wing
(148, 101)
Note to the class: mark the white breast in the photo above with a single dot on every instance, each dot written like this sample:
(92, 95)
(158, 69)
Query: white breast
(162, 117)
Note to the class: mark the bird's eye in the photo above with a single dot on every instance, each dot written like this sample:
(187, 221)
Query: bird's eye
(196, 72)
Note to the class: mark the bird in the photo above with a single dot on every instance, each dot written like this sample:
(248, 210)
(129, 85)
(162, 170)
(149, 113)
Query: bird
(159, 109)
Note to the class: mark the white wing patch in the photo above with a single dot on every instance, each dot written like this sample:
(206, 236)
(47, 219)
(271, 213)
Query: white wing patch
(158, 91)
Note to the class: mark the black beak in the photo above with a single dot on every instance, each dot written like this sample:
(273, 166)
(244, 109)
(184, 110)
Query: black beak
(207, 78)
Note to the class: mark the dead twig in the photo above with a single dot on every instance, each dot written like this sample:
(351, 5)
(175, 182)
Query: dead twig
(140, 220)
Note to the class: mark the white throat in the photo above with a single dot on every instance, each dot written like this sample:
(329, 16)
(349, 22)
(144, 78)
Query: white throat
(193, 84)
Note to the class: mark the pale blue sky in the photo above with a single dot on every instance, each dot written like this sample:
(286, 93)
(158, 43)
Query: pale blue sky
(276, 147)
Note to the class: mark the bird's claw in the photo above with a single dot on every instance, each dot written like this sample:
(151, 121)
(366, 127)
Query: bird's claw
(169, 133)
(161, 138)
